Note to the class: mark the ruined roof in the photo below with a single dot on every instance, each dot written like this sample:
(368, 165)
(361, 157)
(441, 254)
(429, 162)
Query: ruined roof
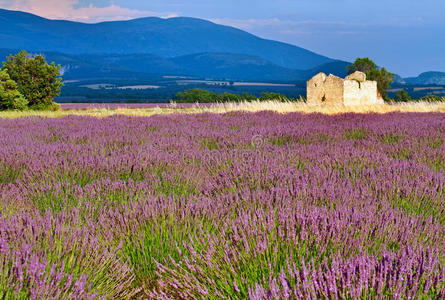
(358, 76)
(319, 77)
(332, 76)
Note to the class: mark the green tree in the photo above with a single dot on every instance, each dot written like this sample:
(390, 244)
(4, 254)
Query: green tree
(403, 96)
(196, 95)
(382, 76)
(10, 97)
(228, 97)
(248, 97)
(38, 81)
(273, 96)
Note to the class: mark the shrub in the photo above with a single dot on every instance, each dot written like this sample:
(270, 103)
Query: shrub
(402, 96)
(273, 96)
(10, 97)
(195, 95)
(205, 96)
(432, 98)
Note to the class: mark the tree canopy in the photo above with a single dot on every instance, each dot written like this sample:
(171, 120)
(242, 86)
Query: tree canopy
(10, 97)
(38, 81)
(382, 76)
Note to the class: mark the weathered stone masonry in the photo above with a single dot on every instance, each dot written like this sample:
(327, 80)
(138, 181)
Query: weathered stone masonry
(353, 90)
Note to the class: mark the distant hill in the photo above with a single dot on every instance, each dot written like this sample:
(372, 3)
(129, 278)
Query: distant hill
(141, 66)
(161, 37)
(398, 79)
(87, 66)
(337, 68)
(427, 78)
(235, 67)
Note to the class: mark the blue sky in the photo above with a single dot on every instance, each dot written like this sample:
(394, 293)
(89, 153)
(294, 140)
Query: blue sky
(407, 37)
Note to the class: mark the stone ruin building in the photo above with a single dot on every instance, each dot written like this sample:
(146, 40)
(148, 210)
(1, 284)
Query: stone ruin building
(353, 90)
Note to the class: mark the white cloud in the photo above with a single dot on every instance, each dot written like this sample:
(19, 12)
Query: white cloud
(248, 24)
(284, 30)
(307, 26)
(68, 10)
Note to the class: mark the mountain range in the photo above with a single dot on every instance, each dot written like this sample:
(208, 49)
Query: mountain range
(144, 47)
(163, 37)
(175, 46)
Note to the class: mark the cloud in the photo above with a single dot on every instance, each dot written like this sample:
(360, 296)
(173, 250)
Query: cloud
(308, 26)
(248, 24)
(69, 10)
(271, 27)
(287, 30)
(307, 31)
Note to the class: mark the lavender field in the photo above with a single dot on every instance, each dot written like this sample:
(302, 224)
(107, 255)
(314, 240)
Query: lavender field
(218, 206)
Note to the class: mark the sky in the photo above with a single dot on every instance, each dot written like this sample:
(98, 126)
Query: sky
(405, 36)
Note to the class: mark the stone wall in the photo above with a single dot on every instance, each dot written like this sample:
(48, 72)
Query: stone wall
(315, 89)
(360, 93)
(334, 89)
(325, 89)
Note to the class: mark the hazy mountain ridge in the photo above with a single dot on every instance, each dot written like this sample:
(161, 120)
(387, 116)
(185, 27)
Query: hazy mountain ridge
(435, 78)
(337, 68)
(138, 66)
(162, 37)
(235, 67)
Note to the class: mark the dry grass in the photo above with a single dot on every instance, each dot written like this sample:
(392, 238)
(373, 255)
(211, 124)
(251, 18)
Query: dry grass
(281, 107)
(94, 112)
(286, 107)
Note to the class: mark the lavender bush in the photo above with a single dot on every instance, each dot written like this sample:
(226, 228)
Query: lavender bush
(209, 206)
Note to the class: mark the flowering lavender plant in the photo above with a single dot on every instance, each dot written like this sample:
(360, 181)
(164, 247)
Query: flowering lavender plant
(223, 206)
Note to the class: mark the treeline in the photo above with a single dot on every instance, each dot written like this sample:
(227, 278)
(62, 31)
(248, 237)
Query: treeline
(404, 96)
(205, 96)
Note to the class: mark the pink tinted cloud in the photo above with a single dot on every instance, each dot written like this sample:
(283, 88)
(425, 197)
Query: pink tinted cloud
(67, 10)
